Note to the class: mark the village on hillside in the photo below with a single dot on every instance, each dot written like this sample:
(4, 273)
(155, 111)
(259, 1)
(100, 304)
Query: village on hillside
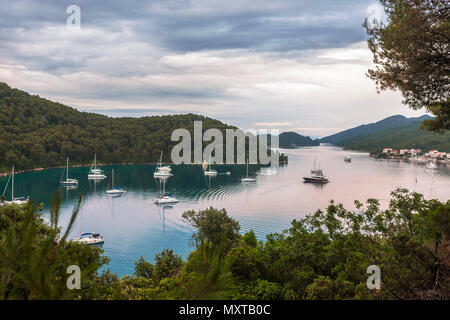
(416, 155)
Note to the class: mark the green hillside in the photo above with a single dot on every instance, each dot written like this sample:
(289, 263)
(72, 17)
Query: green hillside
(293, 139)
(371, 128)
(406, 136)
(36, 132)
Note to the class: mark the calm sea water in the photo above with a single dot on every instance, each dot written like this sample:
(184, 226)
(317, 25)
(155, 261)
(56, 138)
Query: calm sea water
(134, 226)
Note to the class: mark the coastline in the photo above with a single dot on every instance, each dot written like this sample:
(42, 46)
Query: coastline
(2, 174)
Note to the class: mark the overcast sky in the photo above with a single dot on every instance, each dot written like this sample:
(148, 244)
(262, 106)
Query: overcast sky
(289, 64)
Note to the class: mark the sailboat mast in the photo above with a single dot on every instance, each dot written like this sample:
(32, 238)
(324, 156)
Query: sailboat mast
(247, 168)
(95, 161)
(113, 178)
(67, 170)
(12, 186)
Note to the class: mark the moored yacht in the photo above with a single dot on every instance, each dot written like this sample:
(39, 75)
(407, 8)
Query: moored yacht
(347, 158)
(316, 179)
(114, 190)
(14, 200)
(95, 173)
(68, 182)
(162, 171)
(90, 238)
(209, 171)
(248, 179)
(165, 197)
(316, 176)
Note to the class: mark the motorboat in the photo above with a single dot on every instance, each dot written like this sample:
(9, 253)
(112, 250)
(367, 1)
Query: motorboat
(316, 179)
(68, 182)
(316, 176)
(347, 158)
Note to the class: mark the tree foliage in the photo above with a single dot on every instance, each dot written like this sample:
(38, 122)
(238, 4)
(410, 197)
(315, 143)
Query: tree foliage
(34, 256)
(411, 53)
(324, 255)
(40, 133)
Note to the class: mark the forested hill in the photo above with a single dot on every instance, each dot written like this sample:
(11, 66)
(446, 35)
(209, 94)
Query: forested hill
(293, 139)
(36, 132)
(405, 135)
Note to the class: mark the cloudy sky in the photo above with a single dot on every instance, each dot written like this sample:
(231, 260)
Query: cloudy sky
(289, 64)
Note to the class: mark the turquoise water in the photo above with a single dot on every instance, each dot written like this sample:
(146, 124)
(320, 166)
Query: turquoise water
(133, 226)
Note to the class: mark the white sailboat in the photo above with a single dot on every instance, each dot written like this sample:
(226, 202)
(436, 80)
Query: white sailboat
(88, 237)
(248, 179)
(95, 173)
(165, 197)
(14, 200)
(68, 182)
(209, 171)
(162, 171)
(114, 190)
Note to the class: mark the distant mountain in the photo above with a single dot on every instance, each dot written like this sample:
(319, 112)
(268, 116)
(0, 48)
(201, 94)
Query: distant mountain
(289, 140)
(371, 128)
(293, 139)
(395, 132)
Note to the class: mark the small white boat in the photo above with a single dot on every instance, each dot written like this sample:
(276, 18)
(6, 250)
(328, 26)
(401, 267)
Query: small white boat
(347, 158)
(162, 171)
(68, 182)
(422, 160)
(248, 179)
(209, 171)
(95, 173)
(165, 197)
(162, 174)
(114, 190)
(14, 200)
(90, 238)
(431, 165)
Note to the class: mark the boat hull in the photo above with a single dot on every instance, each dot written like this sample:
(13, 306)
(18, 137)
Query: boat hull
(166, 200)
(96, 176)
(115, 191)
(315, 180)
(162, 174)
(69, 183)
